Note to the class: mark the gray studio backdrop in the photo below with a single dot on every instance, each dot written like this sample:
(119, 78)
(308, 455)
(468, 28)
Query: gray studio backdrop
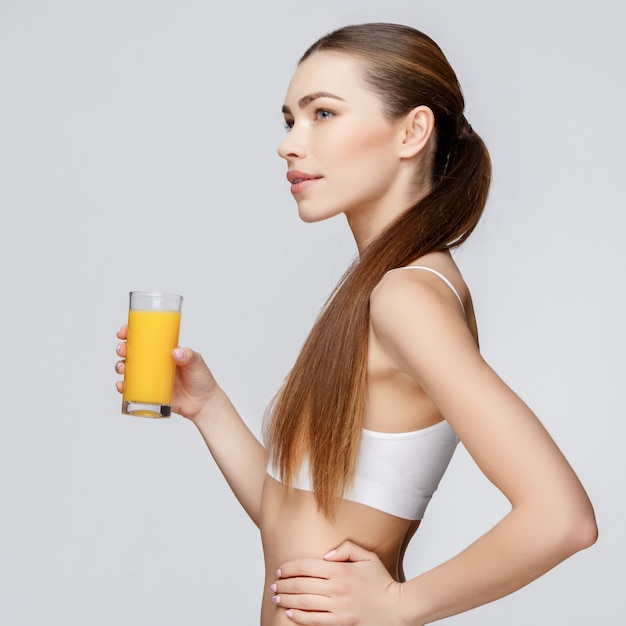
(138, 151)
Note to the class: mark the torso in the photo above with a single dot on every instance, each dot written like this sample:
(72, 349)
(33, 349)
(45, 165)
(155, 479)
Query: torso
(292, 527)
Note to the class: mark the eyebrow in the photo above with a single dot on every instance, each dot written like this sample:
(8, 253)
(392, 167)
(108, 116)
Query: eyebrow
(306, 100)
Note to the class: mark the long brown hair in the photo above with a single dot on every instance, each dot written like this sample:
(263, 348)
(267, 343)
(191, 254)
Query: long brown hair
(318, 413)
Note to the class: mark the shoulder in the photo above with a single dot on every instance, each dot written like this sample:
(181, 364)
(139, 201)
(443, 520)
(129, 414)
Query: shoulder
(418, 321)
(414, 294)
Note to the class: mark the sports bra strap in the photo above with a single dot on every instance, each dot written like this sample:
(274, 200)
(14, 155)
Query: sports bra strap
(436, 273)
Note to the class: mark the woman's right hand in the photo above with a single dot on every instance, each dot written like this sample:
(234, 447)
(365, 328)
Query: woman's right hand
(194, 384)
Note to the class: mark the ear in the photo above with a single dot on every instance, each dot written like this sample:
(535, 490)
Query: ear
(418, 128)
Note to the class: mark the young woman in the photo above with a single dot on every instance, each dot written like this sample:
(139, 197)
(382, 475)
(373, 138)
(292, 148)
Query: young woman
(391, 377)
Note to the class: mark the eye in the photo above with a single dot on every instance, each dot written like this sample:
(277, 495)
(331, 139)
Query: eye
(323, 114)
(288, 124)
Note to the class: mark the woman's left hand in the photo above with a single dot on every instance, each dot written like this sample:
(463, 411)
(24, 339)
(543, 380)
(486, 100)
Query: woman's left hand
(350, 585)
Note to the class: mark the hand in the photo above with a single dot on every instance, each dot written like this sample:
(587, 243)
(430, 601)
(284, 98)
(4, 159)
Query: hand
(194, 383)
(350, 586)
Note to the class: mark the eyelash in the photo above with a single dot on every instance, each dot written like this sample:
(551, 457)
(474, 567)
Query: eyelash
(316, 114)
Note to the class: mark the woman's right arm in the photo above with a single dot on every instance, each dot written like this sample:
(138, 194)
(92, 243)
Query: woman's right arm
(197, 396)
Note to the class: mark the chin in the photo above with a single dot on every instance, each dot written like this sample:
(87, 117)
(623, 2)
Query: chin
(310, 215)
(309, 219)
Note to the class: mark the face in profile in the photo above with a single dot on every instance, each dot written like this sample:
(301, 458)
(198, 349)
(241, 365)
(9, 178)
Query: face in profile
(342, 153)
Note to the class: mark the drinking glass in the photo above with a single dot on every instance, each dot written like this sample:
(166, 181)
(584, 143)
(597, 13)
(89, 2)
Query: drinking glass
(153, 327)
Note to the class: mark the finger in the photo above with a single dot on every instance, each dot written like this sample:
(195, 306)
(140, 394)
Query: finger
(300, 585)
(119, 385)
(122, 332)
(120, 349)
(349, 551)
(311, 618)
(187, 357)
(182, 356)
(303, 602)
(120, 367)
(193, 361)
(316, 568)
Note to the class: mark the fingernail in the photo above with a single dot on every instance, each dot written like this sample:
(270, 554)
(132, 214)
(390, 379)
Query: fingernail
(273, 587)
(118, 348)
(329, 554)
(276, 599)
(179, 353)
(289, 614)
(278, 574)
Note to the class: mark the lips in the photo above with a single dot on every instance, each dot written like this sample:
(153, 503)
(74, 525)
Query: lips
(294, 176)
(301, 180)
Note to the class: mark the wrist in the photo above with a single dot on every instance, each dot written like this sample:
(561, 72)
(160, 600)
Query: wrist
(401, 616)
(213, 405)
(408, 611)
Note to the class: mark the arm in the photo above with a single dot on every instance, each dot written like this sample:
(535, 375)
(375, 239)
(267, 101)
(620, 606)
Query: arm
(425, 334)
(237, 452)
(550, 517)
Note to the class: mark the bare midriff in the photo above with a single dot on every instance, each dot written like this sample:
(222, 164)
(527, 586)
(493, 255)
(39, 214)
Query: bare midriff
(293, 528)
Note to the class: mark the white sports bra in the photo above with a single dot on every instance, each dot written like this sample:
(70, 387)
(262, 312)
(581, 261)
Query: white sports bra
(396, 473)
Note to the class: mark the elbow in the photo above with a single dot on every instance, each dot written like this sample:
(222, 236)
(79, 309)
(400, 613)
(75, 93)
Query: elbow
(576, 531)
(585, 532)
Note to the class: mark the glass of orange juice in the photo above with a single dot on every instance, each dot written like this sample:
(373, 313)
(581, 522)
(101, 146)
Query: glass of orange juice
(153, 325)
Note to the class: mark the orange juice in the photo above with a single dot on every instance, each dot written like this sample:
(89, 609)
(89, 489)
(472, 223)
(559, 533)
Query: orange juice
(150, 369)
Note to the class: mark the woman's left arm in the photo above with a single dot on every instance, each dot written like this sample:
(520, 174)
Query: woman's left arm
(551, 517)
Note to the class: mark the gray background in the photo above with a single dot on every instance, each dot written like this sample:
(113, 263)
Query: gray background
(138, 151)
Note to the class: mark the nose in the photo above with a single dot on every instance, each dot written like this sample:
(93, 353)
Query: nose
(291, 147)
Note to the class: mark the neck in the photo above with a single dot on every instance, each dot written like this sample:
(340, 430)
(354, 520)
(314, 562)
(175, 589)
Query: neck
(367, 225)
(365, 231)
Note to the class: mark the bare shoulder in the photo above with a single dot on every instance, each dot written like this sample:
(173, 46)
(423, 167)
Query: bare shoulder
(423, 295)
(418, 321)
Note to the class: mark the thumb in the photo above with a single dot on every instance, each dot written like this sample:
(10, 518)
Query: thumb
(349, 551)
(188, 358)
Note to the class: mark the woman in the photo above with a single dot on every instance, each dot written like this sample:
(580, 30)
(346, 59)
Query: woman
(391, 376)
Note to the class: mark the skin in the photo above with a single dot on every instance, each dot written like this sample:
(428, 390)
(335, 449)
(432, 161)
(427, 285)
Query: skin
(423, 366)
(338, 133)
